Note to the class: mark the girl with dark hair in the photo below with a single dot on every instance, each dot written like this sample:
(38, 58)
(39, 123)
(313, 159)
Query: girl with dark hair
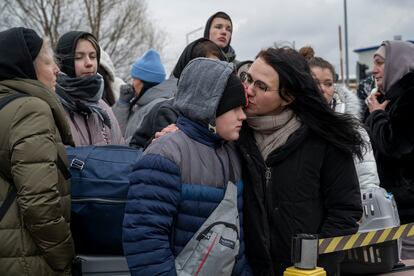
(298, 163)
(80, 90)
(219, 29)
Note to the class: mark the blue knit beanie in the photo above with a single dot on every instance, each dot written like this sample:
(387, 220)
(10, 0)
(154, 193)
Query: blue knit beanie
(149, 68)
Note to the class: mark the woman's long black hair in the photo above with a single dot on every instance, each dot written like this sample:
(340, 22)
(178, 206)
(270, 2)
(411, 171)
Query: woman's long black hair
(296, 82)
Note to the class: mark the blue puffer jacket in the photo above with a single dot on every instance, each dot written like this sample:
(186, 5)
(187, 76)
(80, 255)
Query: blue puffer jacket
(174, 187)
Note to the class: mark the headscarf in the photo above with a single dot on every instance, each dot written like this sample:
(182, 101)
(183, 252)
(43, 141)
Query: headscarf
(19, 47)
(399, 60)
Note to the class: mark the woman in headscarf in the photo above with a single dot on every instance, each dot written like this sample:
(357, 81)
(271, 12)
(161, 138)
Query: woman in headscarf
(80, 90)
(390, 126)
(35, 237)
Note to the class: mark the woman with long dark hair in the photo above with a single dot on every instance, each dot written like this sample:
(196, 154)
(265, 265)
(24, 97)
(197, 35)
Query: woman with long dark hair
(298, 163)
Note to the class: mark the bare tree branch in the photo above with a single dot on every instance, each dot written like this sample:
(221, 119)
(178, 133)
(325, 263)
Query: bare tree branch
(121, 26)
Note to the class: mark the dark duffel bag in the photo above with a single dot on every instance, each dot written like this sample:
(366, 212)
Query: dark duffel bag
(99, 192)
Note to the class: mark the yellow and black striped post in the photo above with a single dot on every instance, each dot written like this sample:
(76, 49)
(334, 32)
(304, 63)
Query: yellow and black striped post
(342, 243)
(293, 271)
(334, 244)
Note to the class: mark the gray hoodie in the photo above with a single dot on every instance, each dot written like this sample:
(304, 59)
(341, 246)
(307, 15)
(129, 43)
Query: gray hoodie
(202, 106)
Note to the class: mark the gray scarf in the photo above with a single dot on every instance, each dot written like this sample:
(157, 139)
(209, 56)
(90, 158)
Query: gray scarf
(272, 132)
(82, 95)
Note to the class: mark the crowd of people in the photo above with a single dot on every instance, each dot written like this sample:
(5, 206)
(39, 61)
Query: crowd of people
(295, 145)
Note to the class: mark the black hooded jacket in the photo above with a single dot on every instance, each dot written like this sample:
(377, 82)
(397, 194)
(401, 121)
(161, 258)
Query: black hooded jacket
(305, 186)
(392, 137)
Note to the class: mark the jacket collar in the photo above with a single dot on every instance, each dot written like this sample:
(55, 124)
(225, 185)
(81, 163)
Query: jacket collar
(248, 143)
(199, 132)
(37, 89)
(399, 88)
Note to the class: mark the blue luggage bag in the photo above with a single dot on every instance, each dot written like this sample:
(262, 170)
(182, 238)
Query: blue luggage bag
(99, 192)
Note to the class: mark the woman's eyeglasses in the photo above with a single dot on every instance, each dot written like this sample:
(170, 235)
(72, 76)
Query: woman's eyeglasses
(257, 84)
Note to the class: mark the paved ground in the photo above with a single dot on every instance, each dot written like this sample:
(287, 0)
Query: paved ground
(408, 272)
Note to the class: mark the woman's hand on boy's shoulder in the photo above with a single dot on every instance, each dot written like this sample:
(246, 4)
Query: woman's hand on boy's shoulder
(168, 129)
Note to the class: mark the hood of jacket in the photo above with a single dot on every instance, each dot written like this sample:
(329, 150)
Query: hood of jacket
(107, 64)
(15, 58)
(200, 89)
(399, 60)
(37, 89)
(185, 57)
(347, 101)
(65, 51)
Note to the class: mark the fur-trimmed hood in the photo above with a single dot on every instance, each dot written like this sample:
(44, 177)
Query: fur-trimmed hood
(347, 101)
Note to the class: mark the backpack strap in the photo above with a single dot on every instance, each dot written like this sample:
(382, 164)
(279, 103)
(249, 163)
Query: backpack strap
(4, 101)
(12, 194)
(79, 160)
(8, 201)
(62, 168)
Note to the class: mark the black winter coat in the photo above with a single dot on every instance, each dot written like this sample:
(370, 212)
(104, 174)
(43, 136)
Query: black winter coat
(392, 137)
(160, 116)
(305, 186)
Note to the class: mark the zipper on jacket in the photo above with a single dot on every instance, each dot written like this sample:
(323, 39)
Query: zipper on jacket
(268, 176)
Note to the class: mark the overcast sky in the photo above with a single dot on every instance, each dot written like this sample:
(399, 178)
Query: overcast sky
(260, 23)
